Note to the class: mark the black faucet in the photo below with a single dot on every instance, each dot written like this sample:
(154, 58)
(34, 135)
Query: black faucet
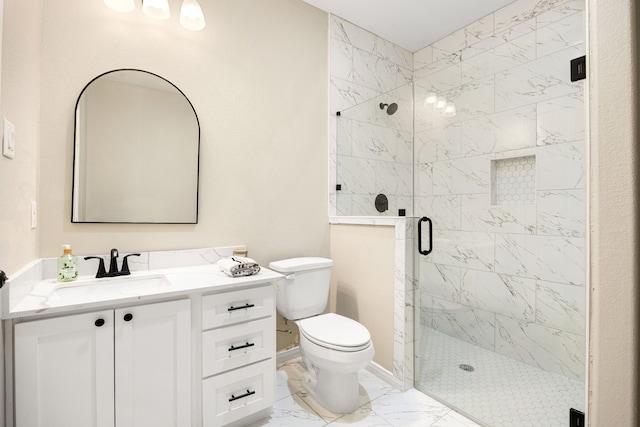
(101, 271)
(125, 265)
(113, 265)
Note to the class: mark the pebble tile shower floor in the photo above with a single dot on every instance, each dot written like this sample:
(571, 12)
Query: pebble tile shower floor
(500, 392)
(382, 405)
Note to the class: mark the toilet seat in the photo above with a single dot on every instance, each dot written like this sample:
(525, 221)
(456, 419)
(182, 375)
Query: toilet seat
(335, 332)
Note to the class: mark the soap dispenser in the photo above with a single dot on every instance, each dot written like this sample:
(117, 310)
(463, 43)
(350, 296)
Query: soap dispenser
(67, 265)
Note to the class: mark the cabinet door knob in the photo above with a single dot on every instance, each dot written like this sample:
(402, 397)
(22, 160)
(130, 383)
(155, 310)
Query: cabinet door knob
(99, 322)
(127, 317)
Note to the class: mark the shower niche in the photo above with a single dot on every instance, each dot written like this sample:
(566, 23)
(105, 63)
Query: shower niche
(513, 181)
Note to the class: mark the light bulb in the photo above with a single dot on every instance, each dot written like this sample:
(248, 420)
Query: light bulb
(440, 104)
(157, 9)
(191, 16)
(121, 5)
(431, 99)
(449, 110)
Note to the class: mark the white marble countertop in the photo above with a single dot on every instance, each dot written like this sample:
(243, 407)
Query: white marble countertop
(43, 297)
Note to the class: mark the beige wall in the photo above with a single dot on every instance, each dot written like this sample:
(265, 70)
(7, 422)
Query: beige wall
(19, 103)
(362, 282)
(257, 78)
(614, 291)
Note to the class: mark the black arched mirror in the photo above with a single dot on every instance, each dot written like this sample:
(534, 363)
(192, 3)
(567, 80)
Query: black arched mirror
(137, 142)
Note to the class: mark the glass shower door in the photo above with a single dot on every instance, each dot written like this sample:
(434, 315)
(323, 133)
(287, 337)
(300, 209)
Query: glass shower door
(500, 300)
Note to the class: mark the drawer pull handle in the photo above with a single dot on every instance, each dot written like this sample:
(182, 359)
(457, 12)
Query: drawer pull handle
(232, 348)
(232, 308)
(248, 393)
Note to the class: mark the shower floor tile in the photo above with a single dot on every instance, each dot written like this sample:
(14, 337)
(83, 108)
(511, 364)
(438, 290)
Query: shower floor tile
(500, 391)
(381, 405)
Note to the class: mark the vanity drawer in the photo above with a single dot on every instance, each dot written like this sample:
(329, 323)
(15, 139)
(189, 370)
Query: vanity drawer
(237, 306)
(237, 394)
(238, 345)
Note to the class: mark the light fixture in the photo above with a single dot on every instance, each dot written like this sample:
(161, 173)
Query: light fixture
(121, 5)
(431, 99)
(449, 110)
(440, 104)
(191, 16)
(157, 9)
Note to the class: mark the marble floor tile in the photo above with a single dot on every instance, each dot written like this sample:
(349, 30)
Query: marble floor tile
(291, 411)
(410, 408)
(381, 405)
(288, 379)
(362, 417)
(454, 419)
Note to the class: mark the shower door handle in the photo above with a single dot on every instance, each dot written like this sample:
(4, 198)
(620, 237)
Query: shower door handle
(428, 251)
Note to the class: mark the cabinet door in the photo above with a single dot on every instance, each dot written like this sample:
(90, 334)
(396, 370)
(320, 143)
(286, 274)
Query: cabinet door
(64, 371)
(153, 365)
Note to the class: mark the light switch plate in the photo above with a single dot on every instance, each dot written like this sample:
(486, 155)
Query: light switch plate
(8, 139)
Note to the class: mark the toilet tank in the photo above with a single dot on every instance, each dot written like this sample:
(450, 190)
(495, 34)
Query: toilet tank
(304, 292)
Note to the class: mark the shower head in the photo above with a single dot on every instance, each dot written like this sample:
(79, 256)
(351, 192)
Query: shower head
(391, 108)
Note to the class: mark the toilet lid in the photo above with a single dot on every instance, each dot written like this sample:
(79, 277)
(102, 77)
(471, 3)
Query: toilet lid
(334, 331)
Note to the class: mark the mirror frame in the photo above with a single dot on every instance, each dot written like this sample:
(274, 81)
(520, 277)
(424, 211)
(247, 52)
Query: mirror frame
(76, 142)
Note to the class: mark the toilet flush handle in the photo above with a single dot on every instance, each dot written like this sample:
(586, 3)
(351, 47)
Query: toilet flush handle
(291, 276)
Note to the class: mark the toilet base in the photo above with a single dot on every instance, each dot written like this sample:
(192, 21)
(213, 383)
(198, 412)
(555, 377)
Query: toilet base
(337, 392)
(331, 377)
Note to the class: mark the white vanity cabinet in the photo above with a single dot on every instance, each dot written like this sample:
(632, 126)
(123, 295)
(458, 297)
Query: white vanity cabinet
(64, 371)
(238, 355)
(153, 365)
(124, 368)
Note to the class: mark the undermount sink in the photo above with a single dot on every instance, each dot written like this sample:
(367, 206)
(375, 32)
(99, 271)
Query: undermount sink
(111, 286)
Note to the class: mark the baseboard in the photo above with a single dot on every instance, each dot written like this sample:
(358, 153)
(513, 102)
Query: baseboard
(385, 375)
(285, 355)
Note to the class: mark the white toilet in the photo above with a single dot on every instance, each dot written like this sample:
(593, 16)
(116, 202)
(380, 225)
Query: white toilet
(333, 347)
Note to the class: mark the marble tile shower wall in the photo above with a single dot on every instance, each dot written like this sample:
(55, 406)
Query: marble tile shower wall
(371, 151)
(508, 278)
